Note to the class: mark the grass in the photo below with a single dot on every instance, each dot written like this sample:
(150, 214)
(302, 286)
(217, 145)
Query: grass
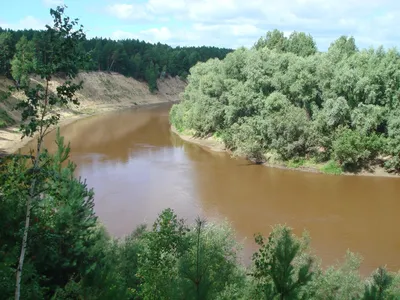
(331, 167)
(296, 163)
(217, 136)
(184, 131)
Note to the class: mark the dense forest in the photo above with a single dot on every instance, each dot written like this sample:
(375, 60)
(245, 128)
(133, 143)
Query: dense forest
(134, 58)
(53, 247)
(282, 100)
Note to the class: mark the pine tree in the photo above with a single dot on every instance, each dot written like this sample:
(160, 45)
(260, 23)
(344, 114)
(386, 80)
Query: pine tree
(280, 270)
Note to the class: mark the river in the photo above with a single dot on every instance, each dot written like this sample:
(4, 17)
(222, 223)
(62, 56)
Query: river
(137, 167)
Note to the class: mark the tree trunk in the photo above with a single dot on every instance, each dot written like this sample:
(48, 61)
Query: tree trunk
(27, 222)
(26, 228)
(24, 244)
(30, 200)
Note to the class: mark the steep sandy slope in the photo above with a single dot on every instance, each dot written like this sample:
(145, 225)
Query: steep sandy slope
(101, 92)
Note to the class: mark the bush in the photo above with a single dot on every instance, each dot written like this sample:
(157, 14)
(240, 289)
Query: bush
(332, 167)
(353, 149)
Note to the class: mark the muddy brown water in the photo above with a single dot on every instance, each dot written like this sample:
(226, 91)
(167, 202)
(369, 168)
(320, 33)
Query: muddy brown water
(137, 167)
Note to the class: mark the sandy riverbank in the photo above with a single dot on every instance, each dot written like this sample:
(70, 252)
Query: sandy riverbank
(102, 93)
(214, 145)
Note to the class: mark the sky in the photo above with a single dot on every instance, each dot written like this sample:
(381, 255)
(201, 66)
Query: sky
(221, 23)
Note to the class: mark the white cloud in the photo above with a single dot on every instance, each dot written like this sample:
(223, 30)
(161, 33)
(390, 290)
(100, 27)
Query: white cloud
(246, 30)
(229, 22)
(122, 35)
(52, 3)
(27, 22)
(121, 11)
(129, 11)
(153, 35)
(162, 7)
(162, 34)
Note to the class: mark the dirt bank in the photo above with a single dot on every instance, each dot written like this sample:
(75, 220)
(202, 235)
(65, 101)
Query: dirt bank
(208, 143)
(214, 145)
(102, 92)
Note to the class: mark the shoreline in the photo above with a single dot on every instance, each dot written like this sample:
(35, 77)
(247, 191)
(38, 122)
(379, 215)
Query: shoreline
(217, 146)
(101, 93)
(10, 137)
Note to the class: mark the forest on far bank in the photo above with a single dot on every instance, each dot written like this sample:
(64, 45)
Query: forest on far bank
(284, 101)
(129, 57)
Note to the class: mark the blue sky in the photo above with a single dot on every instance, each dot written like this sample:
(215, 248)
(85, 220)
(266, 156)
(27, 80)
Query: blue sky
(224, 23)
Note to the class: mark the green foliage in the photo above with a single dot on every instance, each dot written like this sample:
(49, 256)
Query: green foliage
(246, 139)
(62, 223)
(56, 52)
(24, 61)
(273, 40)
(298, 43)
(296, 163)
(130, 57)
(352, 149)
(158, 264)
(301, 44)
(341, 281)
(377, 288)
(283, 96)
(393, 145)
(71, 257)
(331, 167)
(176, 118)
(209, 267)
(280, 96)
(6, 52)
(176, 261)
(282, 268)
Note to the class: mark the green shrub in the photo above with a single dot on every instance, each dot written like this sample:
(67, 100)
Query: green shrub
(332, 167)
(353, 149)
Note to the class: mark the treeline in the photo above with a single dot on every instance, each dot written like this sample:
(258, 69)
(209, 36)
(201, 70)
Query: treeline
(283, 100)
(133, 58)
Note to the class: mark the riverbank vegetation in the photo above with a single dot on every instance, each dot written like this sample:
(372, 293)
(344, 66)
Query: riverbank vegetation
(283, 100)
(53, 247)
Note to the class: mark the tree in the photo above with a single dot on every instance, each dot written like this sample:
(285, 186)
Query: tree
(352, 149)
(342, 48)
(341, 281)
(209, 266)
(367, 118)
(336, 112)
(378, 286)
(151, 77)
(6, 52)
(57, 52)
(61, 228)
(301, 44)
(283, 97)
(24, 61)
(394, 140)
(273, 40)
(158, 263)
(280, 266)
